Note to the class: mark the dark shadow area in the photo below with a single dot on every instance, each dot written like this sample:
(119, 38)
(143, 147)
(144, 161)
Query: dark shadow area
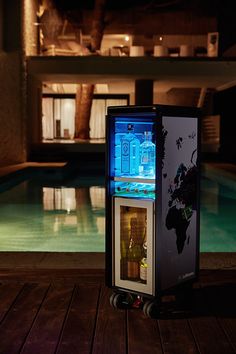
(205, 301)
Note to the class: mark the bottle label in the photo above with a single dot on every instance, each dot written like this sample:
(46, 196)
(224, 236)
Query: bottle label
(125, 148)
(125, 157)
(143, 273)
(145, 159)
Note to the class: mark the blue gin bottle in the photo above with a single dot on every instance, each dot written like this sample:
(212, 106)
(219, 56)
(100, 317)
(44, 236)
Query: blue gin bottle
(147, 156)
(130, 152)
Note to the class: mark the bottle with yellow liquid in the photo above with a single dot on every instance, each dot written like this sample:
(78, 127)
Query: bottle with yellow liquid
(134, 253)
(143, 264)
(143, 261)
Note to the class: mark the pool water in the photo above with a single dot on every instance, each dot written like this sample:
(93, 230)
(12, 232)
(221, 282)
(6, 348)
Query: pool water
(40, 216)
(36, 216)
(218, 216)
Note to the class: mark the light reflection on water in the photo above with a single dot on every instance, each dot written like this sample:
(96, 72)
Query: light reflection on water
(71, 218)
(38, 218)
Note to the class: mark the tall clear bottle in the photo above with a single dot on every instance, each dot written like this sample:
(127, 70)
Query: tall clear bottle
(130, 150)
(134, 252)
(143, 262)
(147, 156)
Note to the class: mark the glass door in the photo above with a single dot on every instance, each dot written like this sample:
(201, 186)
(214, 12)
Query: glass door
(133, 240)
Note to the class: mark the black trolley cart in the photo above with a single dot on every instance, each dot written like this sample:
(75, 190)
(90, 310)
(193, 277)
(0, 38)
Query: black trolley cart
(152, 203)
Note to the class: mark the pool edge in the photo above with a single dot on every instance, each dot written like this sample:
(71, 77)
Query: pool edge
(94, 260)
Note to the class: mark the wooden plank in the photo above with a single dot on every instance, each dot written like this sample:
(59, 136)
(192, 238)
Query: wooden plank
(17, 323)
(50, 275)
(176, 336)
(79, 328)
(46, 330)
(110, 335)
(71, 321)
(8, 293)
(229, 326)
(209, 336)
(221, 300)
(217, 276)
(143, 334)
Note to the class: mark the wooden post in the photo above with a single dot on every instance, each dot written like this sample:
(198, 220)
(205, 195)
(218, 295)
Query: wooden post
(84, 97)
(98, 25)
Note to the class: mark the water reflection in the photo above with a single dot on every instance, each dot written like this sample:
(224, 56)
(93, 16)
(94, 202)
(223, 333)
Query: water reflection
(79, 208)
(218, 227)
(39, 216)
(210, 196)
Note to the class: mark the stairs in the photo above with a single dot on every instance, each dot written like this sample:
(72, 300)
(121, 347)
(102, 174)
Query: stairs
(210, 133)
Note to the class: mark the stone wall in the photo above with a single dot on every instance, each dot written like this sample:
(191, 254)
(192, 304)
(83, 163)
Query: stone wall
(1, 25)
(12, 149)
(12, 87)
(178, 97)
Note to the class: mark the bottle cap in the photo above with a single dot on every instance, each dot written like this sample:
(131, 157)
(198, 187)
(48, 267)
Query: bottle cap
(130, 126)
(148, 133)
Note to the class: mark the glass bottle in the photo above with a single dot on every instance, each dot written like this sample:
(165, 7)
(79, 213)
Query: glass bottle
(147, 189)
(123, 259)
(143, 262)
(147, 156)
(122, 187)
(134, 252)
(130, 152)
(117, 158)
(134, 187)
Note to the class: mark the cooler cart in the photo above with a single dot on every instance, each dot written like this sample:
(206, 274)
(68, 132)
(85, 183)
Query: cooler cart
(152, 203)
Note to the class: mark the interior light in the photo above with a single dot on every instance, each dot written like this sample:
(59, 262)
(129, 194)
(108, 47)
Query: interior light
(160, 38)
(126, 38)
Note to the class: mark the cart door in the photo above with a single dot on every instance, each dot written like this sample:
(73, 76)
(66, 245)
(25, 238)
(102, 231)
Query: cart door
(133, 244)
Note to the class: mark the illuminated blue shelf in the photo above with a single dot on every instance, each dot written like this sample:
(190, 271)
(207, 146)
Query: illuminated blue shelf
(136, 179)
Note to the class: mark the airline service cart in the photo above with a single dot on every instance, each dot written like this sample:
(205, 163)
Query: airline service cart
(152, 202)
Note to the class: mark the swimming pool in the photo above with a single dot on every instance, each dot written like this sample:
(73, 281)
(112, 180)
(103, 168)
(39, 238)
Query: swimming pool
(218, 215)
(70, 217)
(39, 216)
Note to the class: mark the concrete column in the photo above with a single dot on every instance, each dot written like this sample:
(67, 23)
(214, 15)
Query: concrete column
(225, 106)
(11, 25)
(144, 92)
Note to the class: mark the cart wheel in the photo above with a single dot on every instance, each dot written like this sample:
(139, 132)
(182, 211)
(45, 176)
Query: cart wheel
(116, 300)
(151, 309)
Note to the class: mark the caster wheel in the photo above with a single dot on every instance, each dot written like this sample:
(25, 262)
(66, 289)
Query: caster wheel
(116, 300)
(151, 309)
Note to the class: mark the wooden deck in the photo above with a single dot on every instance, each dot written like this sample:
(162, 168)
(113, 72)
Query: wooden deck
(68, 311)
